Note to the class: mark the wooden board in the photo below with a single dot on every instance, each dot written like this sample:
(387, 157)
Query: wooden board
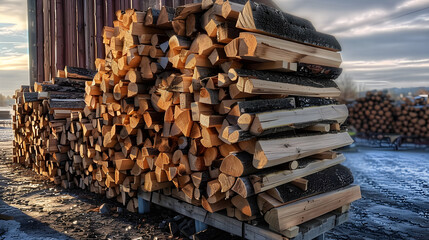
(265, 181)
(298, 118)
(273, 152)
(318, 226)
(265, 48)
(217, 220)
(296, 213)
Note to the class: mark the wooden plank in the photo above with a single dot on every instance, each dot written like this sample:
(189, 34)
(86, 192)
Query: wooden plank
(81, 53)
(259, 47)
(52, 27)
(273, 152)
(86, 16)
(257, 86)
(32, 41)
(40, 32)
(109, 13)
(99, 23)
(273, 179)
(293, 214)
(216, 220)
(46, 40)
(73, 32)
(91, 35)
(297, 118)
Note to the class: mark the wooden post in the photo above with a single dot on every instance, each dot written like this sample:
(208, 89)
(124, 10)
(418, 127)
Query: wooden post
(73, 33)
(52, 37)
(99, 23)
(32, 40)
(39, 32)
(59, 35)
(46, 41)
(80, 34)
(144, 206)
(109, 13)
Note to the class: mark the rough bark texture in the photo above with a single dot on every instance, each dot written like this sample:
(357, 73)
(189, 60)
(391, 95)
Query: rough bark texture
(83, 73)
(58, 88)
(324, 181)
(283, 78)
(269, 20)
(67, 104)
(31, 96)
(302, 102)
(317, 71)
(264, 105)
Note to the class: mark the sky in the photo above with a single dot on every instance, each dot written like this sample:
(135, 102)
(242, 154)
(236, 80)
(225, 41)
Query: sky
(385, 42)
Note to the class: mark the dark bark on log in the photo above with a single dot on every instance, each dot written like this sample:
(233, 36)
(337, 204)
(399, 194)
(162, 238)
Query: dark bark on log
(57, 88)
(302, 102)
(25, 88)
(284, 78)
(71, 82)
(82, 73)
(66, 95)
(67, 104)
(264, 105)
(324, 181)
(270, 20)
(31, 96)
(317, 71)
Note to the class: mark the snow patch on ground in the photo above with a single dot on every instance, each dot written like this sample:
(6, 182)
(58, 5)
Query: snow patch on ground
(10, 230)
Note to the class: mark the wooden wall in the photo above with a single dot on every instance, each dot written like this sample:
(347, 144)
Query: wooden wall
(69, 32)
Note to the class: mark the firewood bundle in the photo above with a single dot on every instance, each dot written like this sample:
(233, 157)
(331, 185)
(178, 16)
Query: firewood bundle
(376, 113)
(216, 105)
(373, 113)
(412, 118)
(42, 122)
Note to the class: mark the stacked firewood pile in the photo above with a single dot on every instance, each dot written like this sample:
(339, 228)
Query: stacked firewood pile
(412, 118)
(377, 113)
(373, 113)
(208, 103)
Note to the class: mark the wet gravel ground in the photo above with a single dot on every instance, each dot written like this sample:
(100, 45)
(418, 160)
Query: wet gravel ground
(395, 195)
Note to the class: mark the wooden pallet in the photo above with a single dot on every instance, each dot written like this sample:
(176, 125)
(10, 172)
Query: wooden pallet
(309, 230)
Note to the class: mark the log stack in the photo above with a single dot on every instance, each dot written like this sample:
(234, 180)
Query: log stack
(373, 113)
(412, 118)
(214, 104)
(377, 114)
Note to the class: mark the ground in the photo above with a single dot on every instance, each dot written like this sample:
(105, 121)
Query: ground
(394, 204)
(395, 195)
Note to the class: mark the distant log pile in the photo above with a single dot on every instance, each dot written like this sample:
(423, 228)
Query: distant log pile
(412, 118)
(376, 113)
(209, 103)
(373, 113)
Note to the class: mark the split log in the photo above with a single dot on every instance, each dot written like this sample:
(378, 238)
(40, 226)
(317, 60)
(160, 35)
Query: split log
(277, 151)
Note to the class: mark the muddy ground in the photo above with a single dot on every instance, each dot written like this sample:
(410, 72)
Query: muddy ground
(395, 204)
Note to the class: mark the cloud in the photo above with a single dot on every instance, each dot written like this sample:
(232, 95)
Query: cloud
(420, 22)
(14, 62)
(14, 11)
(377, 16)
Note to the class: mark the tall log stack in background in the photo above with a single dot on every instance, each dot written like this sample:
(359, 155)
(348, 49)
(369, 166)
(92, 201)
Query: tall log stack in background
(213, 103)
(377, 114)
(373, 113)
(412, 118)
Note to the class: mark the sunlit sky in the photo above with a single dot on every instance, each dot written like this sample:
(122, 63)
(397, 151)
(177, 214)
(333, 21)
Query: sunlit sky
(385, 42)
